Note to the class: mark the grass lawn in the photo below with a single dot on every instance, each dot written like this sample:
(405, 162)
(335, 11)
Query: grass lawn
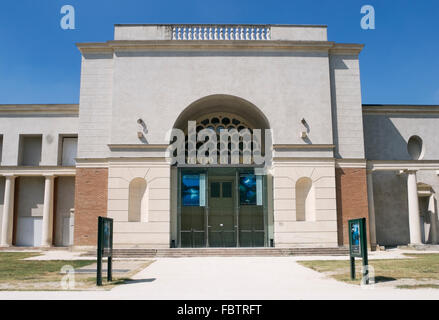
(18, 274)
(417, 271)
(12, 267)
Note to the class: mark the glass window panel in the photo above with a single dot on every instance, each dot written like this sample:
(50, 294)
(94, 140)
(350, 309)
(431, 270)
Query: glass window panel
(247, 189)
(227, 189)
(259, 190)
(215, 189)
(190, 189)
(202, 190)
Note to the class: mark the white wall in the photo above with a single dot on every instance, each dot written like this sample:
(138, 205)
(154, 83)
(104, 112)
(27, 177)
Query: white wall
(285, 86)
(2, 199)
(30, 196)
(50, 126)
(154, 231)
(65, 201)
(320, 231)
(69, 151)
(387, 135)
(95, 105)
(30, 150)
(347, 113)
(30, 202)
(1, 149)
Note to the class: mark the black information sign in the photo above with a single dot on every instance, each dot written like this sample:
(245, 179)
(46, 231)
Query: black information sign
(358, 244)
(105, 247)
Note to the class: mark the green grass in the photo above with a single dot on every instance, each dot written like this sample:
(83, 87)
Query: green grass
(19, 274)
(13, 268)
(417, 267)
(419, 286)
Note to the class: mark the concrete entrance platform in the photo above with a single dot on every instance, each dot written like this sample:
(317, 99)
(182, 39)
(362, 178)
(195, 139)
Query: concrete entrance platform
(232, 278)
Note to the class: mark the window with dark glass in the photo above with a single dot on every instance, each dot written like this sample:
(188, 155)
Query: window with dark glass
(215, 189)
(227, 189)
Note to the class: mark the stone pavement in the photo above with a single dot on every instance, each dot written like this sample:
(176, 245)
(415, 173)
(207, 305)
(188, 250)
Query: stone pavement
(234, 278)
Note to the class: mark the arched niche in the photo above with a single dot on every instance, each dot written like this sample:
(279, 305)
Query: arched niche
(137, 200)
(305, 200)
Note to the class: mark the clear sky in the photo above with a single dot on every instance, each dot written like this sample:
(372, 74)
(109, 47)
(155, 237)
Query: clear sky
(39, 62)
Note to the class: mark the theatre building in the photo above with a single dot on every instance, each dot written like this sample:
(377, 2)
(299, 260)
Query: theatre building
(327, 157)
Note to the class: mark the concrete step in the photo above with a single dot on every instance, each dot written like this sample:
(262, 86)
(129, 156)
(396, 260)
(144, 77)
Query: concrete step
(223, 252)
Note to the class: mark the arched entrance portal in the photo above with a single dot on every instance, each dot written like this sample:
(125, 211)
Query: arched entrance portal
(222, 204)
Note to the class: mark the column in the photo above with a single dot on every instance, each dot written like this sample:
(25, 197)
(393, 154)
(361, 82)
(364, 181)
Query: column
(371, 205)
(46, 239)
(413, 204)
(8, 211)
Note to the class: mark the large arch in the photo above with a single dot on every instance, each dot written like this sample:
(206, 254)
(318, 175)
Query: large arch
(217, 187)
(231, 113)
(223, 103)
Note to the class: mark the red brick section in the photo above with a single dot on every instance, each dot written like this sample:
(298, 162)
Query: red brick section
(91, 193)
(351, 200)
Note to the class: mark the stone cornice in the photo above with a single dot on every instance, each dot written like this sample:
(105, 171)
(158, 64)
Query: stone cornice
(91, 163)
(37, 171)
(400, 109)
(215, 45)
(304, 162)
(351, 163)
(397, 165)
(138, 146)
(302, 146)
(346, 48)
(105, 162)
(35, 109)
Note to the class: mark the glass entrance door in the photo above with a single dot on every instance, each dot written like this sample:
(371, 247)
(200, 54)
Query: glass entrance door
(192, 210)
(222, 218)
(251, 220)
(221, 207)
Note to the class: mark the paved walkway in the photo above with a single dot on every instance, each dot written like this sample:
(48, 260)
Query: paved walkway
(232, 278)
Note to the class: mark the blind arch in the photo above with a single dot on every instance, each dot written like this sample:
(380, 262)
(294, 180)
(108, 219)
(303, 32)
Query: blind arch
(305, 200)
(137, 200)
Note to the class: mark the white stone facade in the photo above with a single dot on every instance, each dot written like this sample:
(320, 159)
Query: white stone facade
(153, 78)
(153, 228)
(321, 229)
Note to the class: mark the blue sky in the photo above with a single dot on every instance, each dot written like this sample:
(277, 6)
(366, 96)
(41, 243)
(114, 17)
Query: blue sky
(39, 62)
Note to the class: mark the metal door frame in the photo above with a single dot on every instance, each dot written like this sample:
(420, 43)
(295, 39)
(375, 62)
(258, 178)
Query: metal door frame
(235, 196)
(237, 206)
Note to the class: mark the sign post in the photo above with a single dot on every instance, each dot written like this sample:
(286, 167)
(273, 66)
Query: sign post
(358, 245)
(105, 248)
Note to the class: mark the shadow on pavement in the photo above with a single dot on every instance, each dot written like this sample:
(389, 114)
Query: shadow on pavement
(384, 279)
(131, 281)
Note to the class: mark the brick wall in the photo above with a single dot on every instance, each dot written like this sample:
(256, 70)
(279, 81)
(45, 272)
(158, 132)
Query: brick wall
(352, 203)
(91, 193)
